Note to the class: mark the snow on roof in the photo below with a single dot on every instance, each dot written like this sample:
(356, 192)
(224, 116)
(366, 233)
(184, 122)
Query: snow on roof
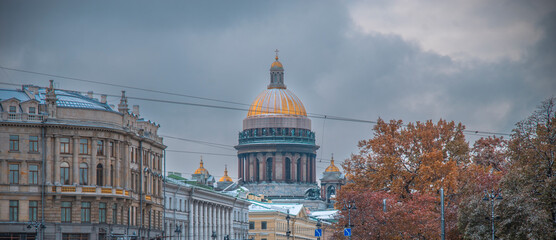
(324, 215)
(273, 207)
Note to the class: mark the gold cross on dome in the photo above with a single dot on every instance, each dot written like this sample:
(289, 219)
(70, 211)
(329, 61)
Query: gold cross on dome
(276, 53)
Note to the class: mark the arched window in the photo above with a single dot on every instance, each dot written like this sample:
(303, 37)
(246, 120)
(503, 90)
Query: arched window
(288, 169)
(83, 176)
(269, 170)
(64, 173)
(100, 175)
(330, 192)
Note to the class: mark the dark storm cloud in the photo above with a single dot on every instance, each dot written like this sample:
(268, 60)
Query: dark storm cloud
(223, 50)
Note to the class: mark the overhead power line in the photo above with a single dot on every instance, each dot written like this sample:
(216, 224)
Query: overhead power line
(312, 115)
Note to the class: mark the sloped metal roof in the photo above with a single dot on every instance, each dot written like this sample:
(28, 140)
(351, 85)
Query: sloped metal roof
(67, 99)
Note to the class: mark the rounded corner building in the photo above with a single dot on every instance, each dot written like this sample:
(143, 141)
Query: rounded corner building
(276, 150)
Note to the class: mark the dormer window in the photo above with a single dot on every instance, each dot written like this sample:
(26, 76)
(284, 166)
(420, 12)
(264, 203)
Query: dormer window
(32, 110)
(12, 109)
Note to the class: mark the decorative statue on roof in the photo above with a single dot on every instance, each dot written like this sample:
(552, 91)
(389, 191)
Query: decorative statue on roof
(312, 194)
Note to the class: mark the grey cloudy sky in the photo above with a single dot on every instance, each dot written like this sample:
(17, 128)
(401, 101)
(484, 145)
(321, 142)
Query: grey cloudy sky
(487, 64)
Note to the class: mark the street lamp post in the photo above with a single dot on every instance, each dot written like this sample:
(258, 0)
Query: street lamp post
(38, 226)
(493, 195)
(349, 205)
(178, 231)
(288, 232)
(319, 225)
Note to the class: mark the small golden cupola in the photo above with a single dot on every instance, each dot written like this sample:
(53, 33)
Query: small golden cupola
(201, 169)
(226, 178)
(332, 167)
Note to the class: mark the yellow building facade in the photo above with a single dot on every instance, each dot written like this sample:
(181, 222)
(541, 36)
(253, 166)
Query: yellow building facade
(269, 221)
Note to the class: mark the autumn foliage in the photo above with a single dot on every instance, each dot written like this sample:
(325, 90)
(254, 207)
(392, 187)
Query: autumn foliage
(405, 165)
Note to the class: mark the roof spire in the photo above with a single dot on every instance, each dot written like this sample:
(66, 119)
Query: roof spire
(122, 107)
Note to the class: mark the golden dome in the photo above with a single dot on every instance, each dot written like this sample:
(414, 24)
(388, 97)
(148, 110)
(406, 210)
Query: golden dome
(201, 169)
(276, 101)
(332, 167)
(276, 64)
(226, 178)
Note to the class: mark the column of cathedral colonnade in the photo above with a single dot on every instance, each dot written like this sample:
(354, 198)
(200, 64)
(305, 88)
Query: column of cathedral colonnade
(253, 167)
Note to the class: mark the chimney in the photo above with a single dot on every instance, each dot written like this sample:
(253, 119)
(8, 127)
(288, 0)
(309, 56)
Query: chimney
(90, 94)
(103, 98)
(136, 110)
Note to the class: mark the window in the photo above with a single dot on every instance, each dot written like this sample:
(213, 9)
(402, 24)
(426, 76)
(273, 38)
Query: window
(14, 210)
(111, 175)
(112, 154)
(66, 212)
(83, 146)
(86, 212)
(32, 110)
(33, 210)
(14, 173)
(64, 145)
(251, 225)
(33, 174)
(114, 213)
(83, 169)
(100, 175)
(100, 148)
(14, 143)
(12, 109)
(102, 212)
(263, 225)
(33, 144)
(180, 205)
(64, 173)
(131, 154)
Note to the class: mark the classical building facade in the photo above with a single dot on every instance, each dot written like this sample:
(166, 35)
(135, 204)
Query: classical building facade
(195, 211)
(270, 221)
(73, 167)
(276, 150)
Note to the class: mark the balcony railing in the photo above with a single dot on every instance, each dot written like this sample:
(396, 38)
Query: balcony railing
(8, 116)
(89, 190)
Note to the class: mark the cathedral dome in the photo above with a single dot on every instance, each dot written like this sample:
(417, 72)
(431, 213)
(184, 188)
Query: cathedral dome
(201, 169)
(277, 101)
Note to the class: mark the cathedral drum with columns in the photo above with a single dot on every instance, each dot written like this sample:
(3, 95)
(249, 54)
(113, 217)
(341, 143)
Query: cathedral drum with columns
(276, 150)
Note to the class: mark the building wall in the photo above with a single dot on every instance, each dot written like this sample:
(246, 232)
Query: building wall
(131, 139)
(301, 227)
(198, 212)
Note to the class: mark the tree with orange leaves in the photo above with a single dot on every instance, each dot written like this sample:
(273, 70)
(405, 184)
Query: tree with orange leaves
(409, 163)
(403, 159)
